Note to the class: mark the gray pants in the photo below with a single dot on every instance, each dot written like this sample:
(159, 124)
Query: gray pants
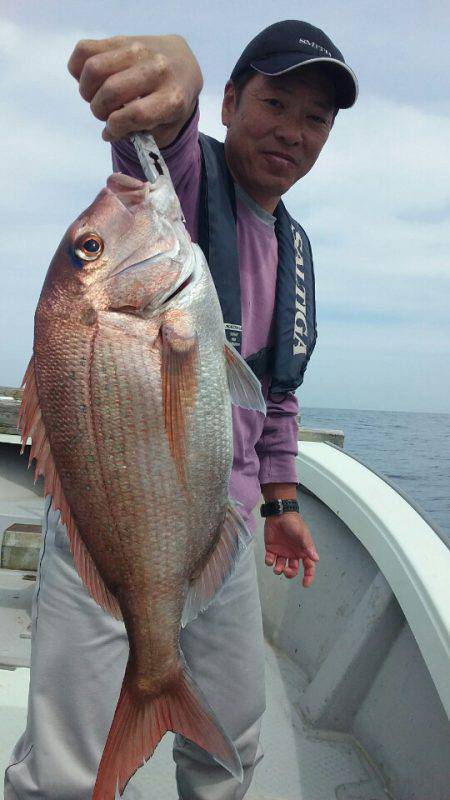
(78, 660)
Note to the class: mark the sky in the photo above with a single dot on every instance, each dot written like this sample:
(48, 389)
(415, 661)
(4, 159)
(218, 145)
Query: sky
(376, 205)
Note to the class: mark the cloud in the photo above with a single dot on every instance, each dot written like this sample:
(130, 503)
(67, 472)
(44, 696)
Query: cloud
(53, 142)
(375, 206)
(383, 166)
(55, 166)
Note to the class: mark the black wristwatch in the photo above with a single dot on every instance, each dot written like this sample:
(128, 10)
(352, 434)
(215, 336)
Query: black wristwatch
(278, 507)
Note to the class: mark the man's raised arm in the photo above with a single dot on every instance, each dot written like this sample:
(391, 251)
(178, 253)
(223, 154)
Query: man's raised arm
(136, 83)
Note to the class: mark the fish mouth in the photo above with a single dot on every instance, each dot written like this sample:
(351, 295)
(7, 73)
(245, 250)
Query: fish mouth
(131, 192)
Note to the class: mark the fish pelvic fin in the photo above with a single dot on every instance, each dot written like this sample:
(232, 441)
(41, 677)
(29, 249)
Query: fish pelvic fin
(141, 721)
(244, 386)
(179, 384)
(233, 540)
(32, 426)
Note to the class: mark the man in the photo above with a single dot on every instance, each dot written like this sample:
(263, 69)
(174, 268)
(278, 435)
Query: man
(279, 107)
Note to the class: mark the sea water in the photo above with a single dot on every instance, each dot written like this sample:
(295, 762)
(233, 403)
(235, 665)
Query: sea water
(411, 449)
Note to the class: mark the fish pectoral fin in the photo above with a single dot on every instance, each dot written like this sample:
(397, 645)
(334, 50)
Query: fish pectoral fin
(244, 386)
(179, 365)
(234, 538)
(32, 425)
(141, 721)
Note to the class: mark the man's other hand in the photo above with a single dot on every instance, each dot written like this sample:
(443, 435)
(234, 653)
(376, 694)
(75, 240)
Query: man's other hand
(138, 83)
(288, 541)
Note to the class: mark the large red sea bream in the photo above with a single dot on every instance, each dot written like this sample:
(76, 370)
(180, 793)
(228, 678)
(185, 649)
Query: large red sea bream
(127, 401)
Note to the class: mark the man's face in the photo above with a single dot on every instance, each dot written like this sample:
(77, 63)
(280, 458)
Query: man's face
(276, 130)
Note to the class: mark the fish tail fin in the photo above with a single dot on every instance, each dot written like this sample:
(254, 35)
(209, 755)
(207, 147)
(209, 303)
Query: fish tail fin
(140, 723)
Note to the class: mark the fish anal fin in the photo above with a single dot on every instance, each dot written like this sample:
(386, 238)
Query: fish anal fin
(140, 722)
(234, 538)
(179, 383)
(244, 386)
(32, 425)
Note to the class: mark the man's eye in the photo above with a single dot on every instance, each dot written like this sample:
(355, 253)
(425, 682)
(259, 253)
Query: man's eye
(321, 120)
(274, 102)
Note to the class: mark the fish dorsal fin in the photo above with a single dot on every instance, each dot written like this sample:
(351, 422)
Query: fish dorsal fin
(32, 425)
(234, 538)
(244, 386)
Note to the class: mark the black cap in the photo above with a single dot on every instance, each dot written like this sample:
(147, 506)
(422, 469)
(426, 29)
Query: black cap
(286, 45)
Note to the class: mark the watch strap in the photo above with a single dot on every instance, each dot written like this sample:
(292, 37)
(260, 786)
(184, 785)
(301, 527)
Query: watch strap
(277, 507)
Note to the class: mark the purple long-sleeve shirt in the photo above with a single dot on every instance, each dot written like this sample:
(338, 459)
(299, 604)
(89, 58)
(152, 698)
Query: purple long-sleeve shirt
(264, 447)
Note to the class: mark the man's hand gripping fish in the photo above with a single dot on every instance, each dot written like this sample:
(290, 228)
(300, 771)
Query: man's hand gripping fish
(127, 401)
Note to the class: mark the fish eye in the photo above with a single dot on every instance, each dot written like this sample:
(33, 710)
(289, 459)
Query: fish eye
(89, 246)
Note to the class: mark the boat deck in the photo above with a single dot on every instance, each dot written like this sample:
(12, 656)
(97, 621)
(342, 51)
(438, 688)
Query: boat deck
(299, 763)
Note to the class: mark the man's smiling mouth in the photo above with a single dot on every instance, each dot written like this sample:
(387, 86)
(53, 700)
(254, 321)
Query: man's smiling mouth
(283, 157)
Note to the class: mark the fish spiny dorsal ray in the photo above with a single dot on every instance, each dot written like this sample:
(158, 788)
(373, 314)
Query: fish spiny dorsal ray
(32, 426)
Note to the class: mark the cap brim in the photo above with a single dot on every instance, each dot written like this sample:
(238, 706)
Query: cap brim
(344, 79)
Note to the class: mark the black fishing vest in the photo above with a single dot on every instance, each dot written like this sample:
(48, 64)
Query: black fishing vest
(295, 328)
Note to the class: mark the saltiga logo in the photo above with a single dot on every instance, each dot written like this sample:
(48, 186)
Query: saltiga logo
(300, 324)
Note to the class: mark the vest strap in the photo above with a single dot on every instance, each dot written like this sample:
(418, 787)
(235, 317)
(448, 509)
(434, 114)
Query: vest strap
(217, 225)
